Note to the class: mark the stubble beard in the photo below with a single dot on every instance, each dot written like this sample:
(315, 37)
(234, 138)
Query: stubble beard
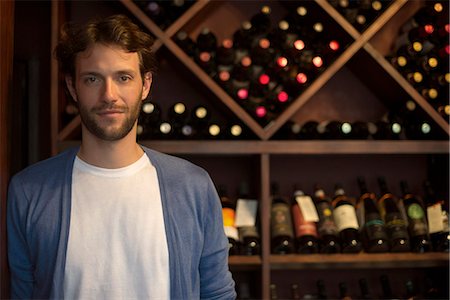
(111, 131)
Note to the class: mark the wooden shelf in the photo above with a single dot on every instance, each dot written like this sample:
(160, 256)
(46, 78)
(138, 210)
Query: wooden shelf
(292, 147)
(240, 262)
(359, 261)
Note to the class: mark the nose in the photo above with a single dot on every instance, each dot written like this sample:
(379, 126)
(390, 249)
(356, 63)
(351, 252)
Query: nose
(110, 91)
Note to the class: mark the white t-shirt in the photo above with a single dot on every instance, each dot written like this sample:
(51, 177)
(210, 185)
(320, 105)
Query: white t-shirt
(117, 245)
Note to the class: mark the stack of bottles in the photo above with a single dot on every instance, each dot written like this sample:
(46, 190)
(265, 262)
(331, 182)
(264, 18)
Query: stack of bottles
(422, 54)
(406, 121)
(182, 122)
(360, 13)
(411, 289)
(343, 224)
(164, 12)
(264, 66)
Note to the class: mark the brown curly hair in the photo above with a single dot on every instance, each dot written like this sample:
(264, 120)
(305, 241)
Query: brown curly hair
(114, 30)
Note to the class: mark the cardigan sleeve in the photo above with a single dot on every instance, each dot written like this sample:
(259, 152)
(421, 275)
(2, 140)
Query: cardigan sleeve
(20, 263)
(216, 281)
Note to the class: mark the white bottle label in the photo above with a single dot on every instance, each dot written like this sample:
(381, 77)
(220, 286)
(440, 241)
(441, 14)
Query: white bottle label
(345, 217)
(308, 208)
(231, 232)
(246, 210)
(435, 221)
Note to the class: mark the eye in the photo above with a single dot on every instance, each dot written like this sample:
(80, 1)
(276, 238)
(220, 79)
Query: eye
(125, 78)
(90, 79)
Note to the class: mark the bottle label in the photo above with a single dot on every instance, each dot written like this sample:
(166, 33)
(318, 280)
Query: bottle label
(435, 220)
(374, 227)
(326, 225)
(248, 231)
(228, 216)
(415, 211)
(246, 212)
(416, 220)
(281, 220)
(396, 226)
(345, 217)
(231, 232)
(302, 226)
(307, 208)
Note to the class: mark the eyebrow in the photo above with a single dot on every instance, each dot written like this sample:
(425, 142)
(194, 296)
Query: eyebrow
(119, 72)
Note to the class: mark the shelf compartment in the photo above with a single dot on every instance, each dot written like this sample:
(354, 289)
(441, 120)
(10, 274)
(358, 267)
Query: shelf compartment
(359, 261)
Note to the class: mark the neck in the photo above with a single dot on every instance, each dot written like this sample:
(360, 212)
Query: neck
(109, 154)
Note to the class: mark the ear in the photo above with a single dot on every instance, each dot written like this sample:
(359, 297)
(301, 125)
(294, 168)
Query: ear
(70, 87)
(147, 83)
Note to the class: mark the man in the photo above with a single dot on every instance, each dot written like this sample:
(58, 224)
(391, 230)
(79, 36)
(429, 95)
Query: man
(112, 219)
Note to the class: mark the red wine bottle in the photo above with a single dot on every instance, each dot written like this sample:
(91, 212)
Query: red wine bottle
(305, 230)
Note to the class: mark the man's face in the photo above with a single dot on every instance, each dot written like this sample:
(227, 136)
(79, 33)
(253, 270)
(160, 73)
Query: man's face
(109, 89)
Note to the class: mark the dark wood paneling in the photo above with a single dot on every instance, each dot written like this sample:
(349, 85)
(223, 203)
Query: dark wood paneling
(6, 65)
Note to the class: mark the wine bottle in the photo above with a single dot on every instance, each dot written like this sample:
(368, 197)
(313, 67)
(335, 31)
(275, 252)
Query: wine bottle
(386, 290)
(249, 236)
(295, 291)
(388, 128)
(165, 130)
(335, 130)
(185, 42)
(262, 53)
(206, 61)
(417, 223)
(308, 130)
(437, 216)
(177, 117)
(228, 214)
(363, 130)
(327, 230)
(273, 291)
(150, 113)
(241, 73)
(364, 289)
(157, 13)
(321, 289)
(303, 211)
(282, 235)
(261, 22)
(343, 291)
(200, 117)
(214, 131)
(375, 238)
(242, 39)
(278, 36)
(346, 221)
(394, 222)
(225, 55)
(206, 40)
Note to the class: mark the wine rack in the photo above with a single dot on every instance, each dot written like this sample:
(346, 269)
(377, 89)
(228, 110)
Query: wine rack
(361, 69)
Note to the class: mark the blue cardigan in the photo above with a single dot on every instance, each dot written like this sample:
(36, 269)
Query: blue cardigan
(38, 220)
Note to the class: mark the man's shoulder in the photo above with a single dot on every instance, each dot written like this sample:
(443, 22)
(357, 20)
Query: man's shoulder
(48, 167)
(170, 162)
